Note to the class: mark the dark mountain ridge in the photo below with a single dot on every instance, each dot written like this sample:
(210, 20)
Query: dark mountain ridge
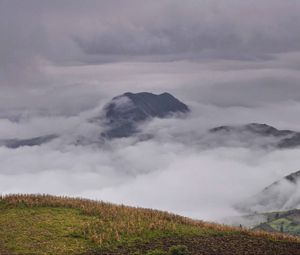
(258, 128)
(35, 141)
(255, 133)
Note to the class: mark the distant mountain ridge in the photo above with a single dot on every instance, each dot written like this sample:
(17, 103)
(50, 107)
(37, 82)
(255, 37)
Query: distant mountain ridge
(123, 115)
(261, 129)
(256, 134)
(35, 141)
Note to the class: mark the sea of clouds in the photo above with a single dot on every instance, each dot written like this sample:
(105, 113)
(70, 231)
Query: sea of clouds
(175, 170)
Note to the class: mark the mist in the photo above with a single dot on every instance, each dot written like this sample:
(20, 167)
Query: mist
(175, 170)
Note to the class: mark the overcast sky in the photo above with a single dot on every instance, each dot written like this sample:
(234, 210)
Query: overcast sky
(223, 51)
(231, 61)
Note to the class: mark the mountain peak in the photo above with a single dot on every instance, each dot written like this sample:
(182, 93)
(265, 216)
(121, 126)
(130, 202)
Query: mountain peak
(124, 112)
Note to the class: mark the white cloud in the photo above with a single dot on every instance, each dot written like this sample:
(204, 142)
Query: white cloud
(173, 171)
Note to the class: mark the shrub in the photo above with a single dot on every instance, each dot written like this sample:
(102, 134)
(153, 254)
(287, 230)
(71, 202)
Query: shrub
(136, 253)
(178, 250)
(156, 252)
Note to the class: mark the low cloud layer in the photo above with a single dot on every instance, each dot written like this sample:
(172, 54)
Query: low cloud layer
(173, 171)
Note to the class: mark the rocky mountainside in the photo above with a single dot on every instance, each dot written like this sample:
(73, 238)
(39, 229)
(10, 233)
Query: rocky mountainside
(280, 195)
(125, 112)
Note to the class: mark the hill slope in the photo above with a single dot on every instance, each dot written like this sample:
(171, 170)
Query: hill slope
(51, 225)
(286, 222)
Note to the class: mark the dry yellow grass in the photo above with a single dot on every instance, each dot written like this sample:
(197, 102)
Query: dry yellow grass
(114, 221)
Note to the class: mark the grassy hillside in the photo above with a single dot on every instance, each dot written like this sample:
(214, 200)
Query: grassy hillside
(36, 224)
(286, 222)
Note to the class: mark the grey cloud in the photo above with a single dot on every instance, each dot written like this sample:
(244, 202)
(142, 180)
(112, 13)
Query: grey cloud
(63, 34)
(252, 93)
(100, 31)
(196, 29)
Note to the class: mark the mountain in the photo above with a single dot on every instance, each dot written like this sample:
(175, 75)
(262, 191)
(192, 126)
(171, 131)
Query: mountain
(125, 112)
(44, 224)
(280, 195)
(16, 143)
(255, 134)
(122, 115)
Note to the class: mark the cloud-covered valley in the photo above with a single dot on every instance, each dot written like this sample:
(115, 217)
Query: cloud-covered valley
(174, 170)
